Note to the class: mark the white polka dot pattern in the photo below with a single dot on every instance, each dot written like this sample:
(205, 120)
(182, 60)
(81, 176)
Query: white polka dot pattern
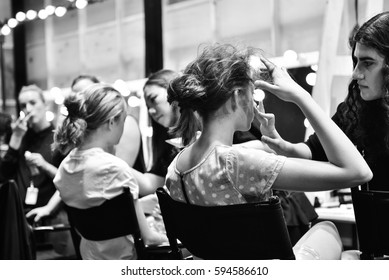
(227, 175)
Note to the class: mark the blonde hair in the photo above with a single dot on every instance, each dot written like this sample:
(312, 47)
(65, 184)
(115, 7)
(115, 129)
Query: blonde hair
(87, 111)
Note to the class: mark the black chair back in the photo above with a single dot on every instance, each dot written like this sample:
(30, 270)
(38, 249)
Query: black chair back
(244, 231)
(371, 210)
(16, 240)
(114, 218)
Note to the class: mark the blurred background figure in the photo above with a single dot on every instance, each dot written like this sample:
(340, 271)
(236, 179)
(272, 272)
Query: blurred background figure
(31, 163)
(5, 132)
(163, 116)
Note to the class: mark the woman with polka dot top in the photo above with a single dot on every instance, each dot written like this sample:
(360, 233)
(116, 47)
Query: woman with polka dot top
(218, 86)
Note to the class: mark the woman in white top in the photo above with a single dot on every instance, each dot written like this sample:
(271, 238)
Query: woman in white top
(90, 175)
(219, 86)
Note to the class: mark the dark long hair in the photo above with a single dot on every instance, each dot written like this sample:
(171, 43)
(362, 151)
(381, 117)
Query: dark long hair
(367, 122)
(161, 78)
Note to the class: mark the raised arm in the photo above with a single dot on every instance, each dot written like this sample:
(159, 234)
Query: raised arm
(346, 167)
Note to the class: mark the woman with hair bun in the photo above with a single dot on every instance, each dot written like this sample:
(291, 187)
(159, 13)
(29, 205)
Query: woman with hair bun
(219, 86)
(90, 175)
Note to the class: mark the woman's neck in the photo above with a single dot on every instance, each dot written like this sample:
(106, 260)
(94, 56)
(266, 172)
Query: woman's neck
(217, 131)
(95, 140)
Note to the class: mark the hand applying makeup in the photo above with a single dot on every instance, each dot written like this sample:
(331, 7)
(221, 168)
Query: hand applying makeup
(19, 129)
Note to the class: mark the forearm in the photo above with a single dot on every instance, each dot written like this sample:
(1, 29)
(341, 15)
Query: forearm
(148, 235)
(339, 149)
(15, 142)
(49, 169)
(148, 182)
(54, 202)
(298, 150)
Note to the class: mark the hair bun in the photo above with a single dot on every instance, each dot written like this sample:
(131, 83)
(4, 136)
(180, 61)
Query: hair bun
(74, 105)
(187, 91)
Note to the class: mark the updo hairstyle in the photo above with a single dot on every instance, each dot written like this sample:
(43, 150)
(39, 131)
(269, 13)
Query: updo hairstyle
(87, 111)
(207, 83)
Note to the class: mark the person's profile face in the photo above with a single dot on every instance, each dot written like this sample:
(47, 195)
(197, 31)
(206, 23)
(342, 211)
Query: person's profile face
(368, 72)
(158, 106)
(31, 104)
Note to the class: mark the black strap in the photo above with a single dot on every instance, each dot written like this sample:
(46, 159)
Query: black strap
(183, 189)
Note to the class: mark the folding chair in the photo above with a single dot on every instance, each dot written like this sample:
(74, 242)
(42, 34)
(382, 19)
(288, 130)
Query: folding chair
(114, 218)
(243, 231)
(16, 240)
(17, 236)
(371, 210)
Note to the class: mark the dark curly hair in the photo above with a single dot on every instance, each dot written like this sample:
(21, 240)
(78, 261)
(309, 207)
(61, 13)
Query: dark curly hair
(367, 122)
(207, 83)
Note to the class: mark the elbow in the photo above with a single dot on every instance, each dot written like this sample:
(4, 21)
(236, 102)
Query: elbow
(363, 176)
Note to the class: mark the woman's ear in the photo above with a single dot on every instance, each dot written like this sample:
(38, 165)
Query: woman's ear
(111, 123)
(235, 98)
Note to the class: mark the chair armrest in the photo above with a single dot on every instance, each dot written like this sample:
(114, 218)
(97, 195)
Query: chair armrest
(56, 227)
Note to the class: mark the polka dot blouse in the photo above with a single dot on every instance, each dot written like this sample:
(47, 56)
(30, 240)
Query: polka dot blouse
(226, 175)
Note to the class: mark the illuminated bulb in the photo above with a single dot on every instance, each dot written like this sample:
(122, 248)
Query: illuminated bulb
(50, 116)
(60, 11)
(59, 100)
(58, 97)
(50, 10)
(42, 14)
(81, 4)
(306, 123)
(122, 87)
(64, 111)
(20, 16)
(5, 30)
(311, 79)
(31, 14)
(133, 101)
(147, 131)
(256, 63)
(314, 67)
(12, 23)
(290, 55)
(258, 95)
